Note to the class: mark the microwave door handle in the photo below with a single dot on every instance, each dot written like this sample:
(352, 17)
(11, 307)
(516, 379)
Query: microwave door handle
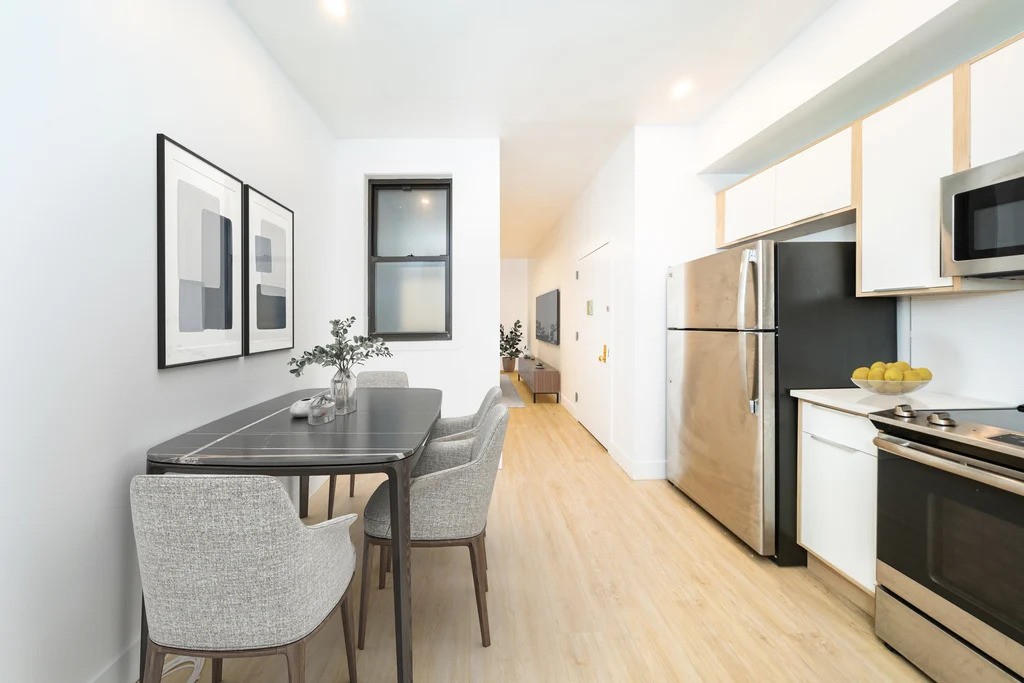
(749, 257)
(947, 462)
(749, 379)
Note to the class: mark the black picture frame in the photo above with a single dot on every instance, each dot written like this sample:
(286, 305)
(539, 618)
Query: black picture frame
(374, 185)
(169, 354)
(249, 193)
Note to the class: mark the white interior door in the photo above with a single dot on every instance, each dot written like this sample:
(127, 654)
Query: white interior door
(593, 393)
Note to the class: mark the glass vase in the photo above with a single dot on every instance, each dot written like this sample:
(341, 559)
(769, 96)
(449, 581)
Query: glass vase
(321, 409)
(343, 388)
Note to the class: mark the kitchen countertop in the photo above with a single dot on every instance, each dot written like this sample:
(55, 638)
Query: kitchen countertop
(862, 402)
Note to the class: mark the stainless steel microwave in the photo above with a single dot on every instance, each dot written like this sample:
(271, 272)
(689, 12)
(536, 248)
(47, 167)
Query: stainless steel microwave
(983, 220)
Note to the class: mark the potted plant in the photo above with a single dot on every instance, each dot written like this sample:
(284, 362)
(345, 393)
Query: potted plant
(343, 353)
(509, 343)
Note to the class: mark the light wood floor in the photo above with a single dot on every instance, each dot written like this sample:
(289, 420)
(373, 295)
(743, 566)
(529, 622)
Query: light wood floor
(594, 577)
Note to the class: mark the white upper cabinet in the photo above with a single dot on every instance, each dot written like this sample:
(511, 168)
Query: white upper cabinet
(750, 207)
(997, 105)
(908, 146)
(815, 181)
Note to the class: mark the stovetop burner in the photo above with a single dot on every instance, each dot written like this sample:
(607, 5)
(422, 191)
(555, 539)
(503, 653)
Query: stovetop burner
(996, 434)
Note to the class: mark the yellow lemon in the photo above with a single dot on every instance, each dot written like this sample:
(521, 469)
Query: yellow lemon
(901, 365)
(878, 365)
(876, 374)
(893, 375)
(889, 365)
(860, 373)
(925, 373)
(912, 376)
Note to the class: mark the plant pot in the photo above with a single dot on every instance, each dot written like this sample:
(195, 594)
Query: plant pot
(508, 364)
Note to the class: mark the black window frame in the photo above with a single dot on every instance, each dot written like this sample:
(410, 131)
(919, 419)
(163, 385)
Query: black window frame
(372, 258)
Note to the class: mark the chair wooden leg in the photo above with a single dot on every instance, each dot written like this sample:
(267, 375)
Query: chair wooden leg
(154, 669)
(390, 559)
(475, 558)
(351, 486)
(218, 669)
(364, 591)
(350, 643)
(296, 656)
(385, 551)
(483, 561)
(330, 496)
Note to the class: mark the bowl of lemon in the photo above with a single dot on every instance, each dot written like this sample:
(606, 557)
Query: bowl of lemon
(891, 378)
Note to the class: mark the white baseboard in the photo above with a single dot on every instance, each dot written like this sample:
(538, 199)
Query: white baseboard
(124, 669)
(637, 470)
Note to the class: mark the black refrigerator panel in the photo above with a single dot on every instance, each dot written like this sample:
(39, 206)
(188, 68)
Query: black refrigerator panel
(824, 332)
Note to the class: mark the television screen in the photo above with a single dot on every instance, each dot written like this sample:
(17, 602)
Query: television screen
(547, 317)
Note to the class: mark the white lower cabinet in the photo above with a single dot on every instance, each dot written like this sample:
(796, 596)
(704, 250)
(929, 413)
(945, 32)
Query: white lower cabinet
(837, 498)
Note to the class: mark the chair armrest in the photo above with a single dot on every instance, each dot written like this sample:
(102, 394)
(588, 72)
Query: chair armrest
(443, 455)
(345, 521)
(458, 436)
(447, 426)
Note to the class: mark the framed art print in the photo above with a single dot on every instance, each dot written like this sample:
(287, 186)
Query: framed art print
(199, 264)
(269, 274)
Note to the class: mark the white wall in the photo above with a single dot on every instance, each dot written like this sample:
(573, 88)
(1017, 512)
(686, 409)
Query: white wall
(649, 205)
(514, 299)
(465, 367)
(87, 86)
(971, 342)
(675, 218)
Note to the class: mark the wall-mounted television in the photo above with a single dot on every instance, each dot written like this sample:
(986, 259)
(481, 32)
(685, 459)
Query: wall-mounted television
(547, 317)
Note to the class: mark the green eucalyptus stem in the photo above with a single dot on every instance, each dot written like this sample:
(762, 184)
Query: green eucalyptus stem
(344, 353)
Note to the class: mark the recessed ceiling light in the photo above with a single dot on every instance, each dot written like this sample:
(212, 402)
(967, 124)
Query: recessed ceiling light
(425, 201)
(336, 8)
(681, 89)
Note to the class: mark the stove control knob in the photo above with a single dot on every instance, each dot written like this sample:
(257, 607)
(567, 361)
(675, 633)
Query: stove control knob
(942, 420)
(904, 410)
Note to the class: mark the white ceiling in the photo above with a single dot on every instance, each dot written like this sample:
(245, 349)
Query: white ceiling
(559, 81)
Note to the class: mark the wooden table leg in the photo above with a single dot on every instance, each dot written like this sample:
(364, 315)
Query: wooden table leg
(303, 497)
(398, 487)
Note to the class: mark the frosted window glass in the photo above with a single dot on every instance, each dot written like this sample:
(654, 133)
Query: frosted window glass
(410, 297)
(412, 222)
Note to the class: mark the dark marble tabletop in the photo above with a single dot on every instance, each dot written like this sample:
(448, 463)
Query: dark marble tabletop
(388, 425)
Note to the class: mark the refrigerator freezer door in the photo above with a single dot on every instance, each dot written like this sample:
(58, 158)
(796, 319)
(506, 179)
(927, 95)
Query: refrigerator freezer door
(721, 421)
(730, 290)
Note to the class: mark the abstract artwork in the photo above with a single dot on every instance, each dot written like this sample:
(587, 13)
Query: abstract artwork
(269, 274)
(199, 265)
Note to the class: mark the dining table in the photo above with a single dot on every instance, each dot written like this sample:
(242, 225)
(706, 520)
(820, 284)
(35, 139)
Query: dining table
(386, 433)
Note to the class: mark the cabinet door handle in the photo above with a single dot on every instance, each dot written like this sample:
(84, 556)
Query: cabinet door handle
(834, 444)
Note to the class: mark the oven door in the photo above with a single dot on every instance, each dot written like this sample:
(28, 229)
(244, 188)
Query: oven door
(983, 220)
(951, 543)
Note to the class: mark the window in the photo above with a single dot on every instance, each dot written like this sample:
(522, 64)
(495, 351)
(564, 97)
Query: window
(410, 270)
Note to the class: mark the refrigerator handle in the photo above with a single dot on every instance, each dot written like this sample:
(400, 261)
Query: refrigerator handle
(749, 378)
(749, 258)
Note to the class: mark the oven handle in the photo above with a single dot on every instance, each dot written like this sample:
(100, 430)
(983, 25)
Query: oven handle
(947, 462)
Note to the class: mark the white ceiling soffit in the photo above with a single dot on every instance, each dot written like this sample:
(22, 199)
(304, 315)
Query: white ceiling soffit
(559, 81)
(952, 37)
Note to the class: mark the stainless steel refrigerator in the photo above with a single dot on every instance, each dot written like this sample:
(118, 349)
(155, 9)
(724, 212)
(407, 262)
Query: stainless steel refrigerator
(746, 326)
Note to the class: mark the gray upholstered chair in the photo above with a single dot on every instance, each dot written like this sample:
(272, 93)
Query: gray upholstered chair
(229, 570)
(382, 379)
(436, 455)
(457, 427)
(448, 504)
(367, 379)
